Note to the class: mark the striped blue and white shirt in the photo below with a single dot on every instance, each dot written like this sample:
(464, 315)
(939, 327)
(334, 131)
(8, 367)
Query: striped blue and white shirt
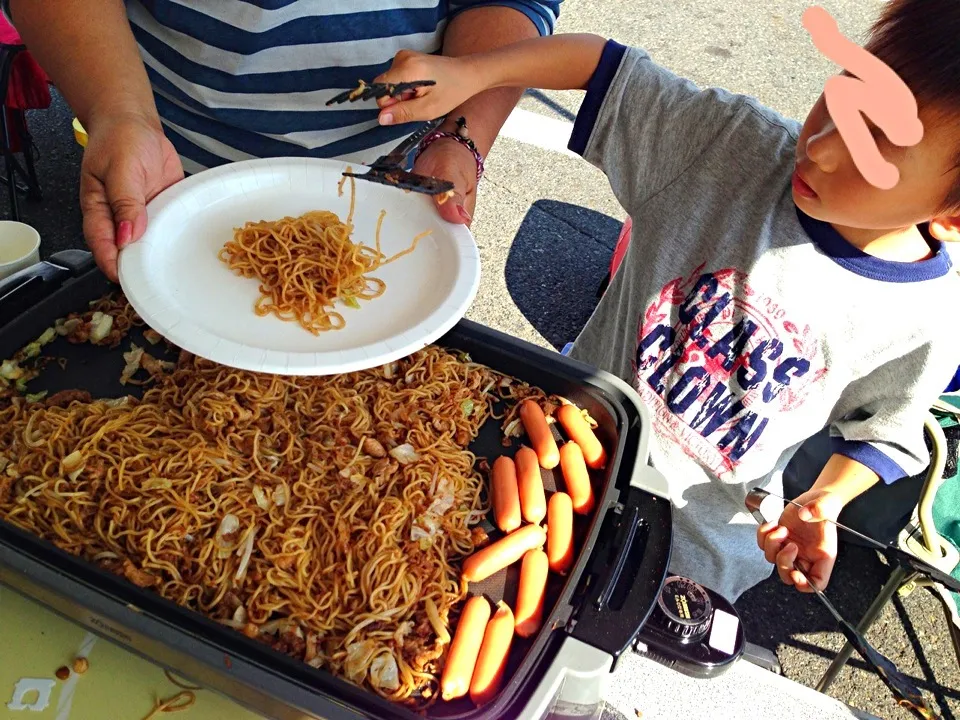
(235, 79)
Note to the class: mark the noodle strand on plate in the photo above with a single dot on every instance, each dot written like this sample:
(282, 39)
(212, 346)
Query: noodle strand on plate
(306, 264)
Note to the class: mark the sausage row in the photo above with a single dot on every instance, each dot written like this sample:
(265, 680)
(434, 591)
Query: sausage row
(484, 635)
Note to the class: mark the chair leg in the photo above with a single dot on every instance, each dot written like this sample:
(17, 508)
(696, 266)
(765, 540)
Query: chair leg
(26, 143)
(897, 578)
(10, 165)
(602, 288)
(954, 630)
(955, 636)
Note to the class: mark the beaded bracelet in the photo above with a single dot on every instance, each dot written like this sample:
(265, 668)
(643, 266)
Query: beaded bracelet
(462, 136)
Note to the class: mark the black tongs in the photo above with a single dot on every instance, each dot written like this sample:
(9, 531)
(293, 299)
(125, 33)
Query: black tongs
(375, 91)
(906, 693)
(389, 169)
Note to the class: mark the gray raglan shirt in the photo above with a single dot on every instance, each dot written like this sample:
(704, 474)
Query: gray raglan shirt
(745, 325)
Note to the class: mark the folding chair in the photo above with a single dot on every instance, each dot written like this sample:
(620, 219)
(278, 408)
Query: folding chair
(619, 250)
(933, 533)
(13, 126)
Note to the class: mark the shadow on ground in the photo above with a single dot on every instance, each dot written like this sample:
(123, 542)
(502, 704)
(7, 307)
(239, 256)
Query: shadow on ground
(557, 261)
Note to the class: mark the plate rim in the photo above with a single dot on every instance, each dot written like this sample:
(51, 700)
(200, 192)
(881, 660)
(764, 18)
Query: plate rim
(166, 319)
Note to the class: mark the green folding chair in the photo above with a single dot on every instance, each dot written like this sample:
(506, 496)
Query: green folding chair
(933, 534)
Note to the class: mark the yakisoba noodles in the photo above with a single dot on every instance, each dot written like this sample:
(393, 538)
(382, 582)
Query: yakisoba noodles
(324, 516)
(305, 264)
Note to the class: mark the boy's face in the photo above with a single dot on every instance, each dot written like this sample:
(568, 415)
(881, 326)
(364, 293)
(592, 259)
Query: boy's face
(828, 186)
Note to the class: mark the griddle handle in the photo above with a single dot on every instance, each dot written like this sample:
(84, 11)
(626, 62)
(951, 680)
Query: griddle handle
(24, 289)
(76, 261)
(626, 571)
(625, 538)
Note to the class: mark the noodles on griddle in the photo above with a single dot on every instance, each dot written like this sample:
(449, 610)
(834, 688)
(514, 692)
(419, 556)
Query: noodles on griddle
(306, 263)
(324, 516)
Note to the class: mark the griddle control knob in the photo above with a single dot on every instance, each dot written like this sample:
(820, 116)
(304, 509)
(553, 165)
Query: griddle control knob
(683, 609)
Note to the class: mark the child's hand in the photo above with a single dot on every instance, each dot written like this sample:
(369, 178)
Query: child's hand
(800, 536)
(455, 80)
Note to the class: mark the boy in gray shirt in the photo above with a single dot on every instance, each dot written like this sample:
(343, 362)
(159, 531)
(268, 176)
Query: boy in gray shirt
(769, 290)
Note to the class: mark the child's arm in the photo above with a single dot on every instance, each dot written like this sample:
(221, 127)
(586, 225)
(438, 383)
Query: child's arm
(878, 436)
(561, 62)
(800, 536)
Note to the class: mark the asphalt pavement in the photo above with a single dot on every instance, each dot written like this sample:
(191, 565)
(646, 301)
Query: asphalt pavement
(546, 223)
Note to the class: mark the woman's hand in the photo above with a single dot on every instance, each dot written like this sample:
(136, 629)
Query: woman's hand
(457, 80)
(449, 160)
(126, 163)
(803, 537)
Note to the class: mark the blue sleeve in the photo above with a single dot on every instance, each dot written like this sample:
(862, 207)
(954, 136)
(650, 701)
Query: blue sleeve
(870, 455)
(542, 13)
(954, 385)
(881, 415)
(876, 457)
(610, 60)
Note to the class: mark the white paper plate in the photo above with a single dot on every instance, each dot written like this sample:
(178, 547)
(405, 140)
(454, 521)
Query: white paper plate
(176, 283)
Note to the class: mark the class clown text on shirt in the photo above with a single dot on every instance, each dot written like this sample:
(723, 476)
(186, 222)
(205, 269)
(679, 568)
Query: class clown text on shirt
(717, 359)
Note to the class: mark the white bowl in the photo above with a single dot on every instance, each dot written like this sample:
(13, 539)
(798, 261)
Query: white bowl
(19, 247)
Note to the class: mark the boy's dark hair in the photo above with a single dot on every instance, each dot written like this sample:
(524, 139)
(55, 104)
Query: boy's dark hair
(920, 41)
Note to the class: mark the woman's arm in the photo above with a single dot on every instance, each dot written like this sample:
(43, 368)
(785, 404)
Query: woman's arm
(87, 48)
(474, 30)
(480, 26)
(481, 30)
(475, 81)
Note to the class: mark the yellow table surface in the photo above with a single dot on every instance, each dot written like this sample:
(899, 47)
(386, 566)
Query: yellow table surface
(35, 642)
